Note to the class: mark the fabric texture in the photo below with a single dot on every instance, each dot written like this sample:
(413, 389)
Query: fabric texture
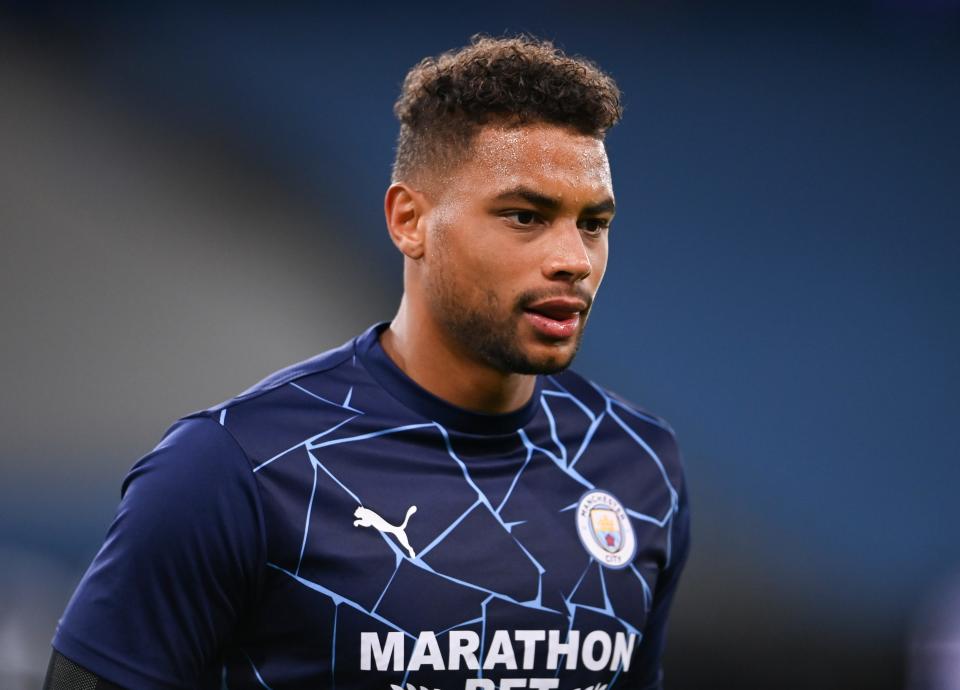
(337, 525)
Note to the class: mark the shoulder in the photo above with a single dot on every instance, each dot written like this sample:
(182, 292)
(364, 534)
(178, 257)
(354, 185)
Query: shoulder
(658, 441)
(622, 419)
(208, 448)
(194, 447)
(318, 364)
(603, 400)
(284, 407)
(196, 472)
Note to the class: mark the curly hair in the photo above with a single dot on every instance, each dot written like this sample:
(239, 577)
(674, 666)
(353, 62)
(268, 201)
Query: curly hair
(515, 81)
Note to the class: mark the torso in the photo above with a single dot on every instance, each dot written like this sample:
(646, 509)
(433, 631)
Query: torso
(406, 546)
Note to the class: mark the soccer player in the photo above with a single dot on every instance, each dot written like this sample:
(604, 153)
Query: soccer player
(439, 502)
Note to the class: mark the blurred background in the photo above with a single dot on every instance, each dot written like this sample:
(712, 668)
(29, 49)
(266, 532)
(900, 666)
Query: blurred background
(191, 195)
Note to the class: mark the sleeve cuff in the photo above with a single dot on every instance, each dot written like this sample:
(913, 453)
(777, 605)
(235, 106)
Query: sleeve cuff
(113, 670)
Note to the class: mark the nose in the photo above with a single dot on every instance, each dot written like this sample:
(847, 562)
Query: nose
(568, 258)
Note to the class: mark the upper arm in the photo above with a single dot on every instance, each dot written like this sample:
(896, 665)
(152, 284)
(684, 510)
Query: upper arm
(64, 674)
(180, 560)
(650, 650)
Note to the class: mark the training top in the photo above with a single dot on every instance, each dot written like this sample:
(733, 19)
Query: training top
(337, 526)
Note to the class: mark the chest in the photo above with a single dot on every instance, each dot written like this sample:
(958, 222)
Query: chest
(420, 557)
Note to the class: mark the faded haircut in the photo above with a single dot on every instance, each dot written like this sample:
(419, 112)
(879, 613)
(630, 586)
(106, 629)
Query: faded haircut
(514, 81)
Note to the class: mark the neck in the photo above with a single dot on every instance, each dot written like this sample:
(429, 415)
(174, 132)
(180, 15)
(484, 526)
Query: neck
(427, 355)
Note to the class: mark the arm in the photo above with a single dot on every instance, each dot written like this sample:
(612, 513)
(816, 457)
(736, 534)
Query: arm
(180, 561)
(650, 651)
(63, 674)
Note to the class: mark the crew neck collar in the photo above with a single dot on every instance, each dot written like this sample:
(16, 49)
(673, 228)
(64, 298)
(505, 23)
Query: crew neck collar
(410, 393)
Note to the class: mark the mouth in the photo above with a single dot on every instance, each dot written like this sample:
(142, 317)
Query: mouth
(557, 318)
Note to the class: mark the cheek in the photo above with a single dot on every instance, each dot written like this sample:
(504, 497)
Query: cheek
(481, 251)
(468, 270)
(603, 251)
(598, 261)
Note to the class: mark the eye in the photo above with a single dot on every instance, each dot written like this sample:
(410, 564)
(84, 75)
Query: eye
(594, 226)
(522, 217)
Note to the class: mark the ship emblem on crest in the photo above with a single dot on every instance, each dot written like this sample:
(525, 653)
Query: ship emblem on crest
(605, 530)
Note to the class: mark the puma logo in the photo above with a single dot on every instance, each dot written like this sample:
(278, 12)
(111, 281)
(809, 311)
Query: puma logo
(368, 518)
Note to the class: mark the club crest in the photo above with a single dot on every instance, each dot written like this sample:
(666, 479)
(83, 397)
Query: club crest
(605, 530)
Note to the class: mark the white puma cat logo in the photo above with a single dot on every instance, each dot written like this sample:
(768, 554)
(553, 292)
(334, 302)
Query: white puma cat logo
(368, 518)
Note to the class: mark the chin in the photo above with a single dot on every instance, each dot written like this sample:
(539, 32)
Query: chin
(549, 363)
(521, 353)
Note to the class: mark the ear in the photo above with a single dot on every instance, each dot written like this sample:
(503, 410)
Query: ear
(404, 208)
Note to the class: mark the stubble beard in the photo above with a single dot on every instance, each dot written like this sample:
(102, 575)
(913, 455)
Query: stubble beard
(492, 339)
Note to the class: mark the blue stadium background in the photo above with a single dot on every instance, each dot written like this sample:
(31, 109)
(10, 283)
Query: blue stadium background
(190, 198)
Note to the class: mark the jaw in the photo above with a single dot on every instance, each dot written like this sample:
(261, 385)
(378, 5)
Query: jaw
(548, 353)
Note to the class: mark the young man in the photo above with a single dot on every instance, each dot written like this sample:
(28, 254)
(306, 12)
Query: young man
(437, 503)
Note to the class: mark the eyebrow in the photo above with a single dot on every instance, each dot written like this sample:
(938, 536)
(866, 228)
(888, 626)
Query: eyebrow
(605, 206)
(552, 203)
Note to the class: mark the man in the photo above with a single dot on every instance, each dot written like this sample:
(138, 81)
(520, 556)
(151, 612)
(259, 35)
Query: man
(437, 503)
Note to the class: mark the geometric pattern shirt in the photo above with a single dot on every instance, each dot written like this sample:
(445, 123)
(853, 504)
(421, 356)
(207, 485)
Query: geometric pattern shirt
(337, 526)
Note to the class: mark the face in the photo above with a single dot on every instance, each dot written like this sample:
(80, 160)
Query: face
(516, 246)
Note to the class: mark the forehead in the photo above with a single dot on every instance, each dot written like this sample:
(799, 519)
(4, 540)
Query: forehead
(538, 156)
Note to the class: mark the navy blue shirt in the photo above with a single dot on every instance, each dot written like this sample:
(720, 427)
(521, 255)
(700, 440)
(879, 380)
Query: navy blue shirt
(339, 526)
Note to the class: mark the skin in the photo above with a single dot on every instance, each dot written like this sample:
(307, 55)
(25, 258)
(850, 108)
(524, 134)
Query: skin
(523, 219)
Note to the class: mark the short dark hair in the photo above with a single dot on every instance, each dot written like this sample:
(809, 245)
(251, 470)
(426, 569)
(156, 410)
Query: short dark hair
(516, 80)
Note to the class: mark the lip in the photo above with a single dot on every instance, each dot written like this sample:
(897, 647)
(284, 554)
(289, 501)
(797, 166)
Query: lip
(553, 329)
(558, 306)
(557, 318)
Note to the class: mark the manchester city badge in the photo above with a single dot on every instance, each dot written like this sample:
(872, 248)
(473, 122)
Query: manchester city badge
(605, 530)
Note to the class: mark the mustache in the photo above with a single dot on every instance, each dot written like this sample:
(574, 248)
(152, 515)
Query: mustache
(528, 297)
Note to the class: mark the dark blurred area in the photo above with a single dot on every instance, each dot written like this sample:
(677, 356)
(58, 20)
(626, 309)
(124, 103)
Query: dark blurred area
(191, 195)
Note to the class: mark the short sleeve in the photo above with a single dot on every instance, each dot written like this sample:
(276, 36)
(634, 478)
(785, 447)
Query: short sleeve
(181, 559)
(650, 651)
